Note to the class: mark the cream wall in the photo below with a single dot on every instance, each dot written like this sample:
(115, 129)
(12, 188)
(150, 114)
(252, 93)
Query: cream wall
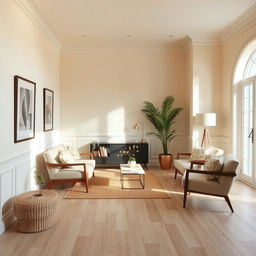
(207, 93)
(102, 91)
(24, 51)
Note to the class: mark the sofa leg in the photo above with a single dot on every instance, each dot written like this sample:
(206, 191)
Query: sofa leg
(86, 183)
(50, 184)
(185, 198)
(229, 203)
(175, 174)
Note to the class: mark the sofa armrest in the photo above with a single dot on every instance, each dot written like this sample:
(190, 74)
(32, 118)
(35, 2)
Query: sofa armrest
(87, 154)
(65, 165)
(182, 154)
(217, 173)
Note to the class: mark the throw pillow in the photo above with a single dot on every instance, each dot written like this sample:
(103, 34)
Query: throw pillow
(213, 164)
(197, 154)
(66, 157)
(73, 152)
(212, 151)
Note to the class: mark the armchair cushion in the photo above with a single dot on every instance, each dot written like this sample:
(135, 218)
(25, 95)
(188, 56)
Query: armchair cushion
(197, 154)
(66, 157)
(76, 172)
(52, 156)
(213, 164)
(205, 153)
(198, 182)
(75, 153)
(181, 165)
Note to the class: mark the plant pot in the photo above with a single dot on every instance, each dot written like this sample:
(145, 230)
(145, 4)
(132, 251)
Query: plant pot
(165, 161)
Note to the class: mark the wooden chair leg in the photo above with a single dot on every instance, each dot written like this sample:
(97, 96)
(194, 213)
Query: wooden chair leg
(229, 203)
(50, 184)
(185, 198)
(175, 174)
(86, 183)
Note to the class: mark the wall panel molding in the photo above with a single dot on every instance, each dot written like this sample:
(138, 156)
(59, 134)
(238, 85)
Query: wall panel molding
(16, 176)
(82, 142)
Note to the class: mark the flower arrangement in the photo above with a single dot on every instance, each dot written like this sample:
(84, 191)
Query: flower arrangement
(130, 152)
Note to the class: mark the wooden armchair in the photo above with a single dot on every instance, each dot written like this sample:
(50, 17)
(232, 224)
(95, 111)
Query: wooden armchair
(195, 181)
(79, 171)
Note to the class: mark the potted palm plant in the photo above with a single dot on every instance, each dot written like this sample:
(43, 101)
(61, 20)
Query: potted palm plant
(163, 121)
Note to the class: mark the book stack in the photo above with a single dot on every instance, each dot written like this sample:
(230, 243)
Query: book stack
(102, 152)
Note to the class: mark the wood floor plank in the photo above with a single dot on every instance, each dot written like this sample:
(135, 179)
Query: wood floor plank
(145, 226)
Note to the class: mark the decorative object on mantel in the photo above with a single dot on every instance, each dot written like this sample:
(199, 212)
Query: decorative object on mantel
(136, 126)
(163, 121)
(130, 153)
(24, 109)
(35, 210)
(206, 119)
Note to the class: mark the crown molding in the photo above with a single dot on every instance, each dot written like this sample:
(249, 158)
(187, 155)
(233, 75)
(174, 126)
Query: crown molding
(34, 15)
(245, 21)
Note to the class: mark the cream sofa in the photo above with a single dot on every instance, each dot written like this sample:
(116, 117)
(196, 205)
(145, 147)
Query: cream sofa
(78, 171)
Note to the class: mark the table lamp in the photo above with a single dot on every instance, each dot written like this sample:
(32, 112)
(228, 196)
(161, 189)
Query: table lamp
(136, 126)
(206, 120)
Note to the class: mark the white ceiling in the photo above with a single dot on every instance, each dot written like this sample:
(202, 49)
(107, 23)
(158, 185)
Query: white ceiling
(137, 23)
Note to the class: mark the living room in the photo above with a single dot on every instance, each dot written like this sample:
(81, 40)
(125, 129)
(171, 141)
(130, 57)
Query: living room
(100, 61)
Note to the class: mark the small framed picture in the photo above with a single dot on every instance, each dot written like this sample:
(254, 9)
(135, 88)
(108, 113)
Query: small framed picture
(48, 110)
(24, 109)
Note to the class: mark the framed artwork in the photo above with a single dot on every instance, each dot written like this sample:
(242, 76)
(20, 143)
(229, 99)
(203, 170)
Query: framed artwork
(24, 109)
(48, 110)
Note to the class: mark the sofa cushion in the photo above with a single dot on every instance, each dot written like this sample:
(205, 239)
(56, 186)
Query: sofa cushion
(52, 156)
(197, 154)
(181, 165)
(76, 172)
(213, 164)
(75, 153)
(205, 153)
(66, 157)
(198, 182)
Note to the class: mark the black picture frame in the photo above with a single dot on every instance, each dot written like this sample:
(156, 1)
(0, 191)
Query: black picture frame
(48, 106)
(24, 109)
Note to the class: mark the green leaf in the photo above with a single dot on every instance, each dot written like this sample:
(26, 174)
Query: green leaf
(163, 120)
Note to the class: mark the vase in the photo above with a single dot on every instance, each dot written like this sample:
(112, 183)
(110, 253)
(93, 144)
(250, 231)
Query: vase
(132, 164)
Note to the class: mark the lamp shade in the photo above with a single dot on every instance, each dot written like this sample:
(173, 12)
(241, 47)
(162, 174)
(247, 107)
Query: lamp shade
(206, 119)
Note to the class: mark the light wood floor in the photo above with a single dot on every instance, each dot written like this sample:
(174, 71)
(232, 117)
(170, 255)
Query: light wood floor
(145, 226)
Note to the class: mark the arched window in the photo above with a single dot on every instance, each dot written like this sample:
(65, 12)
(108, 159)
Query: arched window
(244, 113)
(250, 69)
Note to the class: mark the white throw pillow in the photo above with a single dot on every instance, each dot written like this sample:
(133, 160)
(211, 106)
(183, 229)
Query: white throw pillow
(213, 164)
(205, 153)
(197, 154)
(66, 157)
(212, 151)
(73, 152)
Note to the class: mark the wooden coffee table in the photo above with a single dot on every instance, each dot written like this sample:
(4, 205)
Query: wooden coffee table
(126, 170)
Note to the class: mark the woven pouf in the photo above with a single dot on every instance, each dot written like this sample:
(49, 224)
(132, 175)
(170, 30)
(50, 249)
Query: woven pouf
(35, 210)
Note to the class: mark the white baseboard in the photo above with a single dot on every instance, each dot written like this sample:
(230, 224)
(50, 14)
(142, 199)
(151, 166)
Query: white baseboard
(6, 221)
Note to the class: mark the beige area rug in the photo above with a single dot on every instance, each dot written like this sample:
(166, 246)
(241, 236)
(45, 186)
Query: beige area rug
(106, 185)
